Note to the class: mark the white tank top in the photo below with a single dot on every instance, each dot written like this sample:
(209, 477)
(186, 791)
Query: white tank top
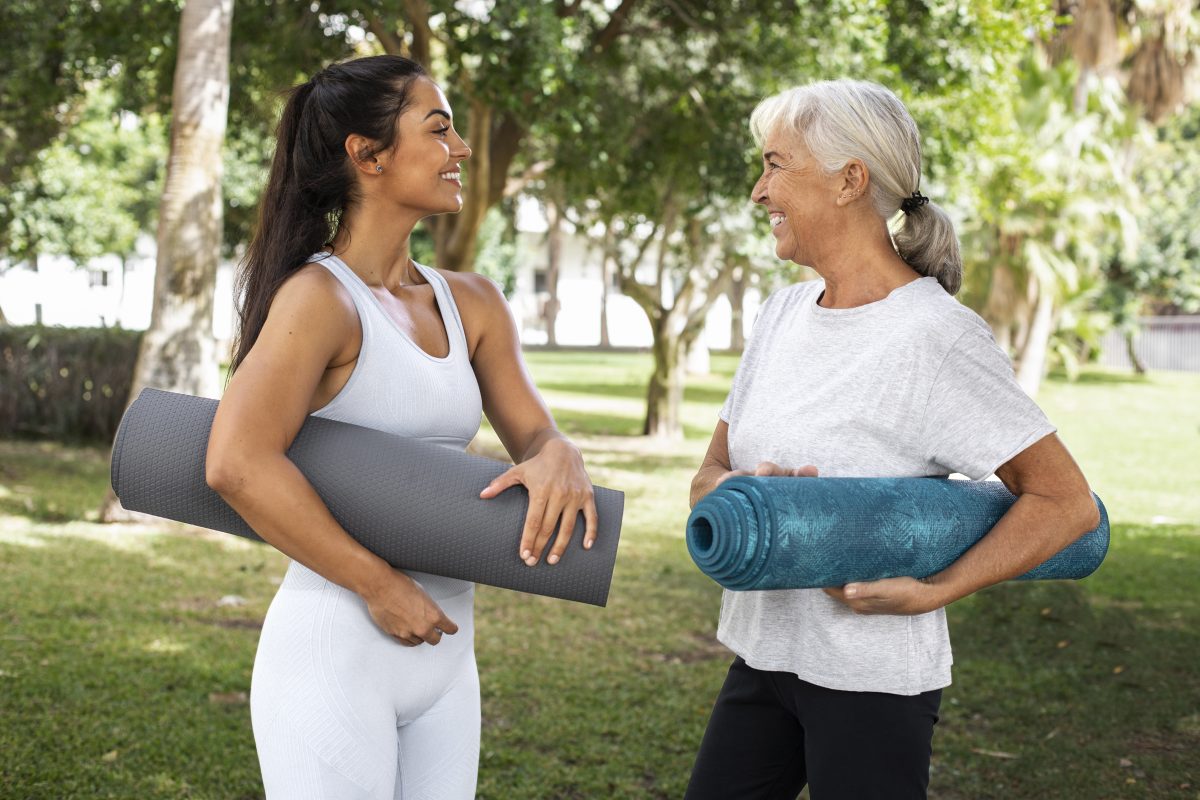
(399, 388)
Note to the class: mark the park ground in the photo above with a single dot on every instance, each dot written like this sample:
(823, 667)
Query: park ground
(126, 650)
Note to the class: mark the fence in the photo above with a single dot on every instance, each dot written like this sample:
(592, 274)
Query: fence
(1168, 343)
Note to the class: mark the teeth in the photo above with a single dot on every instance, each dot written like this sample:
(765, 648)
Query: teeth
(776, 220)
(451, 176)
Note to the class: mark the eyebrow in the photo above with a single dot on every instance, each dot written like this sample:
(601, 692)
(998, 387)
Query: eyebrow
(438, 111)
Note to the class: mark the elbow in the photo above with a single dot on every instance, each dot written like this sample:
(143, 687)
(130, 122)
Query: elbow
(1083, 513)
(224, 474)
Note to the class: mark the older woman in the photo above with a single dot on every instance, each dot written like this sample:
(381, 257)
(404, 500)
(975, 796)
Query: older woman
(873, 371)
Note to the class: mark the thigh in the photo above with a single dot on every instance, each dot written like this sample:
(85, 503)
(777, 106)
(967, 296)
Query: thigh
(753, 747)
(320, 732)
(867, 745)
(437, 753)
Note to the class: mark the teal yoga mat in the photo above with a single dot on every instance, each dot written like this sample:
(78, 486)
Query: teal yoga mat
(800, 533)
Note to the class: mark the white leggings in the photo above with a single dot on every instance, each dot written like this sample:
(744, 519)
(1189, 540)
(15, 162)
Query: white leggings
(341, 711)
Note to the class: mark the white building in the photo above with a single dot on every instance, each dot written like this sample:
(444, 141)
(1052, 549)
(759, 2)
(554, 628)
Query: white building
(105, 292)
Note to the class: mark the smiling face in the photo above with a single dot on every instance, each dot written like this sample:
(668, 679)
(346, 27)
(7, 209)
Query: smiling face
(800, 197)
(422, 171)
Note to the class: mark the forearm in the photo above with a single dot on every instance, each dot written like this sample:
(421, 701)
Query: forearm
(1033, 530)
(282, 507)
(706, 479)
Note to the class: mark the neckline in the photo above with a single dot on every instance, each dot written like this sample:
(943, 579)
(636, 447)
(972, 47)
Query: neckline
(432, 278)
(865, 308)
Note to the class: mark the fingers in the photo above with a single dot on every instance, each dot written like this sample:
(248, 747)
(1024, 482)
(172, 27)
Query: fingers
(566, 529)
(550, 517)
(591, 523)
(768, 468)
(808, 471)
(533, 525)
(508, 479)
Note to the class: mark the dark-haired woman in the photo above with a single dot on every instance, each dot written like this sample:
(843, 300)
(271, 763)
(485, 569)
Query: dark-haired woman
(350, 697)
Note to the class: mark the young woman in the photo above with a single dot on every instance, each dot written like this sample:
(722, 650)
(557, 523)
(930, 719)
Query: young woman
(365, 683)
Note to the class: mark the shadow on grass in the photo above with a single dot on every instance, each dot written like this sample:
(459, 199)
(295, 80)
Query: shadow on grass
(1103, 669)
(691, 392)
(589, 423)
(1100, 377)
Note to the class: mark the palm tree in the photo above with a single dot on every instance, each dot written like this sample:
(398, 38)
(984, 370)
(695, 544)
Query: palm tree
(178, 351)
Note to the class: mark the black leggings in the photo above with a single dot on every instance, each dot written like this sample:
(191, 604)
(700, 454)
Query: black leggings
(770, 733)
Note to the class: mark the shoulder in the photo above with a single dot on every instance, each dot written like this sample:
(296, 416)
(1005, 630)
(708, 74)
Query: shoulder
(309, 291)
(313, 311)
(940, 315)
(474, 294)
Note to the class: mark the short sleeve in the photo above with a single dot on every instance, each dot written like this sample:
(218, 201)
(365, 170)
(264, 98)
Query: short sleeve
(978, 417)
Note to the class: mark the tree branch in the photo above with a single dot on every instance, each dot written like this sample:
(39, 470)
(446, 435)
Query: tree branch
(615, 27)
(392, 44)
(417, 12)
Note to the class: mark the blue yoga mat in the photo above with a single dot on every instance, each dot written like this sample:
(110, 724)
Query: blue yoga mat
(804, 533)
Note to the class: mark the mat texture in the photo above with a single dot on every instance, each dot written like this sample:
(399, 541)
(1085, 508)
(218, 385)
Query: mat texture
(412, 503)
(802, 533)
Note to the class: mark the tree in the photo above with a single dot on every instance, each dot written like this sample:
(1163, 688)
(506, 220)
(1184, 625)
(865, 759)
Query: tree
(178, 351)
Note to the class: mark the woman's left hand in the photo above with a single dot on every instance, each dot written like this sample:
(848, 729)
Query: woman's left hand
(559, 488)
(888, 596)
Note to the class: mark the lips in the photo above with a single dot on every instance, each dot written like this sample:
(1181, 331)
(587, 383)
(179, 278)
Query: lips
(454, 176)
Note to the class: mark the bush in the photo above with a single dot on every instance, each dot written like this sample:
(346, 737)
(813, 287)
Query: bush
(67, 384)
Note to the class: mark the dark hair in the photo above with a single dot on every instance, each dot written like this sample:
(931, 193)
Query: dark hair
(312, 181)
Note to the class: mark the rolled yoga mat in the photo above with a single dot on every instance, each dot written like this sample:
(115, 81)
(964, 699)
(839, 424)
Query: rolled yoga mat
(804, 533)
(413, 503)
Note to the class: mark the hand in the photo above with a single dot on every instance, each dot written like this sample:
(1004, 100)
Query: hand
(889, 596)
(767, 469)
(559, 488)
(403, 610)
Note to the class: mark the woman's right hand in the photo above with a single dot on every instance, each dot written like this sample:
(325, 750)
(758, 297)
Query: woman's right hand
(768, 469)
(405, 611)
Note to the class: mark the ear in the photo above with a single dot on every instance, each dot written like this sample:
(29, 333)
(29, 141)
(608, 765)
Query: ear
(855, 181)
(359, 148)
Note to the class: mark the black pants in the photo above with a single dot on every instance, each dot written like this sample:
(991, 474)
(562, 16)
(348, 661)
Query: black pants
(770, 733)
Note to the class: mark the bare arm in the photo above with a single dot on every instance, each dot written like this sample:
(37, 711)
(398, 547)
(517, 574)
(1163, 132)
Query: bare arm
(547, 463)
(1054, 507)
(263, 408)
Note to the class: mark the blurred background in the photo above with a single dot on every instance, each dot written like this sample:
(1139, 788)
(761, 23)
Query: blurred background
(608, 196)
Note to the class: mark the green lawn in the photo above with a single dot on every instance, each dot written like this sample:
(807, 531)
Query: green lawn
(122, 675)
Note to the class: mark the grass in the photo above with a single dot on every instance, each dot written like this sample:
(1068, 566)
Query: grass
(122, 674)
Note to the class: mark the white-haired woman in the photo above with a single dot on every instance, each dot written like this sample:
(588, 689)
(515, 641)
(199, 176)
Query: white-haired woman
(873, 371)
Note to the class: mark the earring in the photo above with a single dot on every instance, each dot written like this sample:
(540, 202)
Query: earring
(379, 167)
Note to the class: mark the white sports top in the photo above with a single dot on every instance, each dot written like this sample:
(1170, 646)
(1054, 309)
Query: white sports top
(399, 388)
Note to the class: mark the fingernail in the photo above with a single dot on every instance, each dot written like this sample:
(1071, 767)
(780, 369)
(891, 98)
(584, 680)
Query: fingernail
(851, 591)
(526, 554)
(530, 561)
(588, 544)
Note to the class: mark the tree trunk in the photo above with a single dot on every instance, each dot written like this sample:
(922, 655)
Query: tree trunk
(605, 280)
(1037, 342)
(178, 350)
(553, 258)
(1138, 365)
(664, 395)
(737, 320)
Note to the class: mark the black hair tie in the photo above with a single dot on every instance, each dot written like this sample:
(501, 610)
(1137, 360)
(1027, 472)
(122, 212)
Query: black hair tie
(911, 204)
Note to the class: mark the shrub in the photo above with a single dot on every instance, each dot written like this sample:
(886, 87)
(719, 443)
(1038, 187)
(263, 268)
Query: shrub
(68, 384)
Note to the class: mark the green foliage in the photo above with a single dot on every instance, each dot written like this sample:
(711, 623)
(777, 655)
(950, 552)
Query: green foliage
(68, 384)
(93, 189)
(1165, 269)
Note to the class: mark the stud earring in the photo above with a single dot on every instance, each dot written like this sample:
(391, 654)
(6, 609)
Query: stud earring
(379, 167)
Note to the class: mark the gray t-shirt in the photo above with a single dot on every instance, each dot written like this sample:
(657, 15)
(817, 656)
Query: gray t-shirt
(909, 386)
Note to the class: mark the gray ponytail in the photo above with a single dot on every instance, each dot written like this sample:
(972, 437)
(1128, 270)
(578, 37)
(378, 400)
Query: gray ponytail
(846, 119)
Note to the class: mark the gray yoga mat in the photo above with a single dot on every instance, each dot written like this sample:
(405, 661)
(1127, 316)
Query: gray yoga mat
(414, 504)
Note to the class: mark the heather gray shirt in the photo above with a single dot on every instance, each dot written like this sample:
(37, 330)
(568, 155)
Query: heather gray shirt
(908, 386)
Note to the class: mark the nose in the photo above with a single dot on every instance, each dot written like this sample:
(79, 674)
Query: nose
(463, 151)
(759, 193)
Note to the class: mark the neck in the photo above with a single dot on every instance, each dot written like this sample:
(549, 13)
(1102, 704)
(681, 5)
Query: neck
(373, 241)
(859, 275)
